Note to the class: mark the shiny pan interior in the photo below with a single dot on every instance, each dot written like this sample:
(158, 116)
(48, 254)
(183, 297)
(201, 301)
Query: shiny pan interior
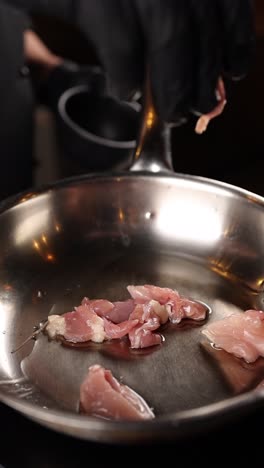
(94, 235)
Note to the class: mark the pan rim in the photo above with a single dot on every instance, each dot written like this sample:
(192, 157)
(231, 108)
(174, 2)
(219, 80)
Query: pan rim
(33, 192)
(178, 424)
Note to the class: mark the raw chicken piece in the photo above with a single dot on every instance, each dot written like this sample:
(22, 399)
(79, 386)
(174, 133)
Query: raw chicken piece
(150, 309)
(101, 307)
(149, 317)
(98, 320)
(56, 326)
(103, 396)
(241, 334)
(143, 294)
(80, 325)
(177, 307)
(142, 337)
(117, 312)
(186, 309)
(121, 311)
(205, 119)
(115, 331)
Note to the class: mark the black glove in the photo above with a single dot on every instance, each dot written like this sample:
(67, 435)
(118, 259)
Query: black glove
(67, 75)
(188, 44)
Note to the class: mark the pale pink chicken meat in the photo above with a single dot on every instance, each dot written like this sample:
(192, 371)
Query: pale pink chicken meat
(149, 316)
(241, 334)
(177, 306)
(186, 309)
(98, 320)
(118, 330)
(150, 309)
(117, 312)
(80, 325)
(146, 293)
(204, 120)
(101, 395)
(143, 337)
(121, 311)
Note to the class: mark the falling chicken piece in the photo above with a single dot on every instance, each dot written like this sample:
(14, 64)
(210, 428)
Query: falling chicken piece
(205, 119)
(101, 395)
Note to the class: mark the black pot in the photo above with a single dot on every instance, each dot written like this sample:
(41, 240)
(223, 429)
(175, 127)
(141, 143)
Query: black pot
(97, 132)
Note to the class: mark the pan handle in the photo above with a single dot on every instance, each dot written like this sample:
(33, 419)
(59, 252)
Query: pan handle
(153, 149)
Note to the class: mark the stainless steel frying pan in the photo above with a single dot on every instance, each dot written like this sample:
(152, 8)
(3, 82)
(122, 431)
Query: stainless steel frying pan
(94, 235)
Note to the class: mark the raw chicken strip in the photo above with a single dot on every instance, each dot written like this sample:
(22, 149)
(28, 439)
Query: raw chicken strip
(80, 325)
(142, 337)
(118, 330)
(177, 307)
(150, 310)
(149, 317)
(240, 334)
(143, 294)
(121, 311)
(205, 119)
(98, 320)
(117, 312)
(103, 396)
(186, 309)
(101, 307)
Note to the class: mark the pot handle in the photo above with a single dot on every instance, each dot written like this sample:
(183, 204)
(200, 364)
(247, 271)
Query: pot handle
(153, 149)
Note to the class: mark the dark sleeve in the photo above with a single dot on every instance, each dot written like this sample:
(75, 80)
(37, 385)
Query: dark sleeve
(12, 25)
(62, 9)
(9, 10)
